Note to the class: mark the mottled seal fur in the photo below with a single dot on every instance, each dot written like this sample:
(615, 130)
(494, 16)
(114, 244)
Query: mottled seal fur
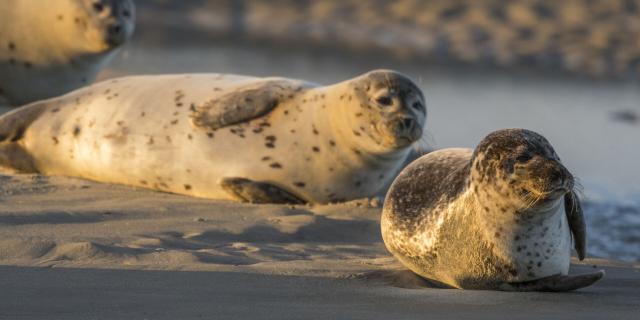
(500, 217)
(225, 136)
(48, 48)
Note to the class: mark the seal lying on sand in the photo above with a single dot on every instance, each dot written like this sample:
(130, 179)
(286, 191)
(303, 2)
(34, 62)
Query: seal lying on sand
(224, 136)
(48, 48)
(501, 217)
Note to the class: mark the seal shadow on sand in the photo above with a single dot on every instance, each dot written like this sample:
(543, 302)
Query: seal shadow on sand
(266, 243)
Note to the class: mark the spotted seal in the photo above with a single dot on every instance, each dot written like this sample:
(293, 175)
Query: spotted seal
(225, 136)
(501, 217)
(48, 48)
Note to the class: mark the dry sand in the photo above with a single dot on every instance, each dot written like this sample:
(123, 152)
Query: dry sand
(75, 249)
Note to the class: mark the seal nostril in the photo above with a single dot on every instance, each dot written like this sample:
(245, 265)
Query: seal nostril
(98, 7)
(115, 29)
(126, 13)
(556, 175)
(407, 123)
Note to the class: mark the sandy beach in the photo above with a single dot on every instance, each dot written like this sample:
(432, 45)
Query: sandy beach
(74, 249)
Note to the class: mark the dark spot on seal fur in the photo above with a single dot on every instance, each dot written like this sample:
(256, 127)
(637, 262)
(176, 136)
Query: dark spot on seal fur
(54, 110)
(76, 131)
(28, 64)
(275, 165)
(11, 46)
(266, 158)
(332, 143)
(143, 182)
(174, 122)
(315, 149)
(270, 145)
(55, 140)
(300, 184)
(187, 187)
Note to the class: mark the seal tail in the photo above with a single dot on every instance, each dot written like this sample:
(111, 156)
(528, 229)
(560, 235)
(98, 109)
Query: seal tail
(13, 126)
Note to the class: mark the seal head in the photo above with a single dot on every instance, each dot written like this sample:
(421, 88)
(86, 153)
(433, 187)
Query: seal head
(521, 166)
(394, 108)
(110, 25)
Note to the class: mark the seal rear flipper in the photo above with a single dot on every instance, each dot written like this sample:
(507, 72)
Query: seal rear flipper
(245, 103)
(577, 224)
(557, 283)
(13, 125)
(258, 192)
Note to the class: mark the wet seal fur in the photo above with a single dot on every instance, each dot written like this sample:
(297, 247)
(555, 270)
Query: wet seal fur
(48, 48)
(222, 136)
(501, 217)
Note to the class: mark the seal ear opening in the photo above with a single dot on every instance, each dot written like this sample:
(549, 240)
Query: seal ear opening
(575, 217)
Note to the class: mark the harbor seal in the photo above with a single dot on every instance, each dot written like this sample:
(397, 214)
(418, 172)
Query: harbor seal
(225, 136)
(48, 48)
(501, 217)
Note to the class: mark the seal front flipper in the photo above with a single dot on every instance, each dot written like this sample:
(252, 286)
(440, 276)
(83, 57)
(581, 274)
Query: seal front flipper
(13, 125)
(557, 283)
(258, 192)
(578, 227)
(245, 103)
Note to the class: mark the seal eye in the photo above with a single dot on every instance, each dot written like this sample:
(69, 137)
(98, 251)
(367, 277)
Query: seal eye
(524, 157)
(384, 100)
(126, 13)
(417, 105)
(98, 7)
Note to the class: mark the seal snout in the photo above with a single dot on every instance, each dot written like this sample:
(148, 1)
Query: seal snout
(117, 16)
(560, 178)
(407, 127)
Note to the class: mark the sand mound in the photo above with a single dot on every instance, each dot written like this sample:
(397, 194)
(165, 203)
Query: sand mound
(55, 221)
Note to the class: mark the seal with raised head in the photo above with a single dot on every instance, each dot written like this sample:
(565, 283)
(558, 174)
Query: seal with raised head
(224, 136)
(501, 217)
(48, 48)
